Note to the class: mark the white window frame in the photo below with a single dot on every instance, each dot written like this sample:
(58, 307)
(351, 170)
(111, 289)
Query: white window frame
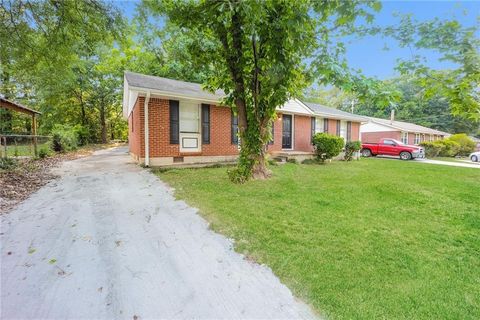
(404, 137)
(182, 119)
(343, 129)
(417, 138)
(319, 122)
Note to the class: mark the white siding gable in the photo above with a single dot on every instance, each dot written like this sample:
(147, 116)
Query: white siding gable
(375, 127)
(296, 107)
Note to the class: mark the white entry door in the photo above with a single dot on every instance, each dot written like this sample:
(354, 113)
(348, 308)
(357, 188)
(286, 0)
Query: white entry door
(190, 138)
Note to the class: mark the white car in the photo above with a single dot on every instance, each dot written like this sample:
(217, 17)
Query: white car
(475, 157)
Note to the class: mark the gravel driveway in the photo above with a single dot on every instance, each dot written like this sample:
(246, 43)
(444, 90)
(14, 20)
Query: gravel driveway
(108, 240)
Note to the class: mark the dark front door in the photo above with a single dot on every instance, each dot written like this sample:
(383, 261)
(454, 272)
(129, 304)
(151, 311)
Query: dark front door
(286, 131)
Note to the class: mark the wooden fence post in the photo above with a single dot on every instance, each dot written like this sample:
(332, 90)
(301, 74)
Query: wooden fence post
(34, 126)
(4, 145)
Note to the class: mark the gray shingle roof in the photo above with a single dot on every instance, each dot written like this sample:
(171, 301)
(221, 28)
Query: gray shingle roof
(188, 89)
(334, 113)
(407, 126)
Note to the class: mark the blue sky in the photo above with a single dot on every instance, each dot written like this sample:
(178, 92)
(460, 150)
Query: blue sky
(368, 54)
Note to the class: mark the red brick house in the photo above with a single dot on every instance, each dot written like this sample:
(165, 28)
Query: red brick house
(409, 133)
(182, 123)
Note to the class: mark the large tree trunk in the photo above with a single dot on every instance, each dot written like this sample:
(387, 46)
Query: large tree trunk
(252, 162)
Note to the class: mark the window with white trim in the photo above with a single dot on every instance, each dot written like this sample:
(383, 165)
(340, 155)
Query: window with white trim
(417, 138)
(189, 117)
(405, 137)
(343, 129)
(318, 125)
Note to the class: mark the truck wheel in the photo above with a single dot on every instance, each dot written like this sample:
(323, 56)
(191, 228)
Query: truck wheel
(404, 155)
(366, 153)
(474, 158)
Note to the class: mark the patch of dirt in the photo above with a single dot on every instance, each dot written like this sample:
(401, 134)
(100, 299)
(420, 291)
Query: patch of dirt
(29, 175)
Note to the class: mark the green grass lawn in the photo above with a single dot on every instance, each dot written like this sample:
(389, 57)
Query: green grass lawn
(367, 239)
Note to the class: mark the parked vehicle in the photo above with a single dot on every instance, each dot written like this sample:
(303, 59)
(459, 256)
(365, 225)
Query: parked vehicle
(392, 147)
(475, 157)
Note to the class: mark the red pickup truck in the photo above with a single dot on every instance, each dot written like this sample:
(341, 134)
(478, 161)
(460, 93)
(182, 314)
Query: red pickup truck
(392, 147)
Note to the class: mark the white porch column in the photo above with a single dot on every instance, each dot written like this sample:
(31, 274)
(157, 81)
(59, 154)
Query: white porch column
(147, 142)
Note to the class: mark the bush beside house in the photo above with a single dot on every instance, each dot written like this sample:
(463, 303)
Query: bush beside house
(327, 146)
(456, 145)
(350, 148)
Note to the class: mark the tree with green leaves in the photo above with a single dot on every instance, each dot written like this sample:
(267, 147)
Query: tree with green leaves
(457, 44)
(256, 52)
(49, 52)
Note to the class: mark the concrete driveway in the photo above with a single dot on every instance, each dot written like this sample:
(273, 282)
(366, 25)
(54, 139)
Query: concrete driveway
(108, 240)
(464, 164)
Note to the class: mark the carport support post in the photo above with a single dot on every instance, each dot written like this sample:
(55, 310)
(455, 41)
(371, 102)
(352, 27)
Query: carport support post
(147, 142)
(34, 131)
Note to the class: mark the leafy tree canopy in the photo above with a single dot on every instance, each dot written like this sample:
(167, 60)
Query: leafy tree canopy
(256, 51)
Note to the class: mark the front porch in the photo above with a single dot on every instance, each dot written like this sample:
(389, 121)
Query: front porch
(286, 155)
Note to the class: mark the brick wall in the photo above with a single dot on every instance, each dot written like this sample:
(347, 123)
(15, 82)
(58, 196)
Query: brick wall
(303, 133)
(332, 126)
(220, 131)
(411, 137)
(374, 137)
(355, 131)
(159, 132)
(135, 128)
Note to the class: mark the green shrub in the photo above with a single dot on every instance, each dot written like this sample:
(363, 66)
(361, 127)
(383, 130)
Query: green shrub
(83, 136)
(432, 148)
(292, 160)
(44, 152)
(7, 163)
(449, 148)
(64, 138)
(350, 148)
(466, 145)
(327, 146)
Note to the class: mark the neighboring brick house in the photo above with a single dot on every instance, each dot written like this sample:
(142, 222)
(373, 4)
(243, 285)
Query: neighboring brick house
(185, 124)
(408, 133)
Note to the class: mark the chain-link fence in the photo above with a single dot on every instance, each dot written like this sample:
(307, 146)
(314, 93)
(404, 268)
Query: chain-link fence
(15, 145)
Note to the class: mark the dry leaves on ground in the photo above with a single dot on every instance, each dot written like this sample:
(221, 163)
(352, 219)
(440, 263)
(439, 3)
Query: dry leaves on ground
(30, 175)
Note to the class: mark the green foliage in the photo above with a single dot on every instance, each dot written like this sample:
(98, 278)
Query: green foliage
(64, 138)
(466, 145)
(449, 148)
(350, 148)
(292, 160)
(455, 145)
(454, 43)
(327, 146)
(65, 53)
(256, 51)
(432, 148)
(7, 163)
(413, 106)
(44, 152)
(239, 175)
